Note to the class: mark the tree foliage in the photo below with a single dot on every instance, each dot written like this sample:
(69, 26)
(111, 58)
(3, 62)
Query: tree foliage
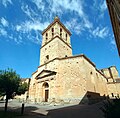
(111, 109)
(10, 83)
(22, 88)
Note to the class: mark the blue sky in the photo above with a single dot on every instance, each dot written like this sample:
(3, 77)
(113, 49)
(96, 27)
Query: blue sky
(22, 21)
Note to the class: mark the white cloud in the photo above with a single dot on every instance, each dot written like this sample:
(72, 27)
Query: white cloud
(99, 7)
(18, 27)
(58, 7)
(6, 2)
(72, 5)
(103, 6)
(46, 10)
(74, 26)
(113, 42)
(40, 4)
(77, 27)
(18, 39)
(87, 23)
(11, 37)
(4, 22)
(100, 32)
(3, 32)
(35, 38)
(28, 26)
(29, 12)
(31, 30)
(37, 18)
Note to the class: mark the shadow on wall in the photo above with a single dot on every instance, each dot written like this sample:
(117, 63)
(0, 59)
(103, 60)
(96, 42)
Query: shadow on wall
(92, 98)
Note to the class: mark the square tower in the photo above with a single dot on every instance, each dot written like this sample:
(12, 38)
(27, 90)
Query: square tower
(55, 42)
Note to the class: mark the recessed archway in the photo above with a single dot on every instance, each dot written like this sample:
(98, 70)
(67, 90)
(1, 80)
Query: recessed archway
(45, 91)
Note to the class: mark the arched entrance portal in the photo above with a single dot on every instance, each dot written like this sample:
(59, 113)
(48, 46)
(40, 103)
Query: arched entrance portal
(46, 91)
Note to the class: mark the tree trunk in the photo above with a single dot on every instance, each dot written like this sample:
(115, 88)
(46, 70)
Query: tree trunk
(6, 103)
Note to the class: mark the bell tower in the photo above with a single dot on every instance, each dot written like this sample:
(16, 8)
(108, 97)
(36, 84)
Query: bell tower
(55, 42)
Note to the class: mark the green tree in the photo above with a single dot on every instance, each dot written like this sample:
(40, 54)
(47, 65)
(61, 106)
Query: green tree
(10, 83)
(22, 88)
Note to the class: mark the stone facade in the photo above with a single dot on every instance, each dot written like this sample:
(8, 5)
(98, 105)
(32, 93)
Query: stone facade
(114, 12)
(62, 77)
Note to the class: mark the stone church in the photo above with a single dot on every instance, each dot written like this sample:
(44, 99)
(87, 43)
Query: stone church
(62, 77)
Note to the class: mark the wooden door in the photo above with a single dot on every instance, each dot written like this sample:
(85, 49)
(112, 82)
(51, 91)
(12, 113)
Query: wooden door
(46, 95)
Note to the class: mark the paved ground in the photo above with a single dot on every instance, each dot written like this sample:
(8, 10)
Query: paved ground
(51, 111)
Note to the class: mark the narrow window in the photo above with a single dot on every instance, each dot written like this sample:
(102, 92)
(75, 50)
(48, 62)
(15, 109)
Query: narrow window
(97, 75)
(46, 36)
(61, 32)
(60, 29)
(91, 73)
(52, 32)
(52, 29)
(66, 37)
(47, 57)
